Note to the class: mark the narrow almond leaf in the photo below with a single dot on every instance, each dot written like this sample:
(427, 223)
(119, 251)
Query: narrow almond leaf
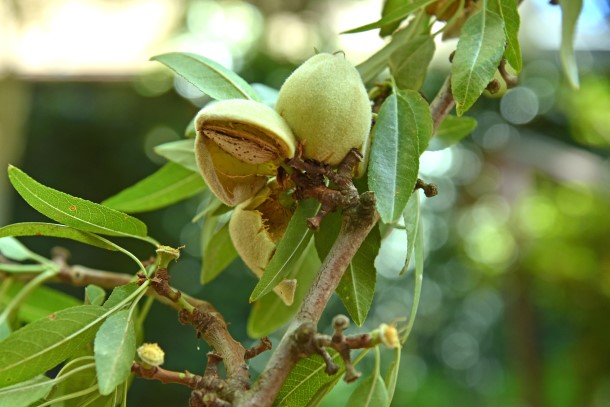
(452, 130)
(58, 336)
(270, 313)
(411, 215)
(170, 184)
(26, 393)
(570, 11)
(397, 14)
(180, 152)
(119, 294)
(218, 253)
(208, 76)
(55, 230)
(40, 303)
(400, 135)
(288, 250)
(13, 249)
(418, 277)
(114, 348)
(94, 295)
(72, 211)
(306, 379)
(190, 131)
(72, 382)
(391, 377)
(409, 64)
(390, 6)
(357, 286)
(478, 53)
(371, 392)
(507, 10)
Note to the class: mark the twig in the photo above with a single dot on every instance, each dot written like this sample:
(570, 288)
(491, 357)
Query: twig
(442, 104)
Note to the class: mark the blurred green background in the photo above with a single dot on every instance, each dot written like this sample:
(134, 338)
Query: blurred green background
(515, 305)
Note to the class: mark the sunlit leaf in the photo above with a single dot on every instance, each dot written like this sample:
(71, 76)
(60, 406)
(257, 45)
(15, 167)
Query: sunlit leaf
(409, 64)
(452, 130)
(412, 218)
(478, 53)
(58, 336)
(25, 393)
(208, 76)
(402, 131)
(397, 14)
(270, 313)
(306, 380)
(357, 286)
(218, 253)
(114, 348)
(180, 152)
(94, 295)
(55, 230)
(72, 211)
(507, 10)
(288, 250)
(170, 184)
(570, 11)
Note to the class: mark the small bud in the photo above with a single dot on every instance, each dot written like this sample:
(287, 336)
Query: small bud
(388, 334)
(165, 254)
(151, 355)
(340, 322)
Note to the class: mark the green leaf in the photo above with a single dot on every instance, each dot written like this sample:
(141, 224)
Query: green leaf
(114, 348)
(402, 131)
(55, 230)
(391, 377)
(288, 250)
(397, 14)
(13, 249)
(409, 64)
(478, 53)
(507, 10)
(170, 184)
(181, 152)
(418, 276)
(390, 6)
(412, 219)
(452, 130)
(25, 393)
(191, 131)
(57, 337)
(41, 302)
(75, 212)
(357, 286)
(73, 382)
(208, 76)
(94, 295)
(218, 253)
(119, 294)
(270, 313)
(570, 11)
(371, 392)
(306, 380)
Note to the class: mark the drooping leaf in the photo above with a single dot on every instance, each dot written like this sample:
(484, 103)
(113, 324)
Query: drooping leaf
(570, 11)
(208, 76)
(418, 277)
(306, 380)
(94, 295)
(401, 133)
(217, 254)
(270, 313)
(409, 64)
(357, 286)
(452, 130)
(55, 230)
(170, 184)
(40, 303)
(114, 348)
(478, 53)
(507, 10)
(288, 250)
(119, 294)
(72, 211)
(181, 152)
(397, 14)
(58, 336)
(24, 394)
(370, 392)
(412, 219)
(13, 249)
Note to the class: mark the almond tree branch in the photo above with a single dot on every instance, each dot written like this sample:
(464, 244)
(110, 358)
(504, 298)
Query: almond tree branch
(442, 104)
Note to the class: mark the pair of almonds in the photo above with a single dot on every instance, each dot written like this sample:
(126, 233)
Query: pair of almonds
(240, 144)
